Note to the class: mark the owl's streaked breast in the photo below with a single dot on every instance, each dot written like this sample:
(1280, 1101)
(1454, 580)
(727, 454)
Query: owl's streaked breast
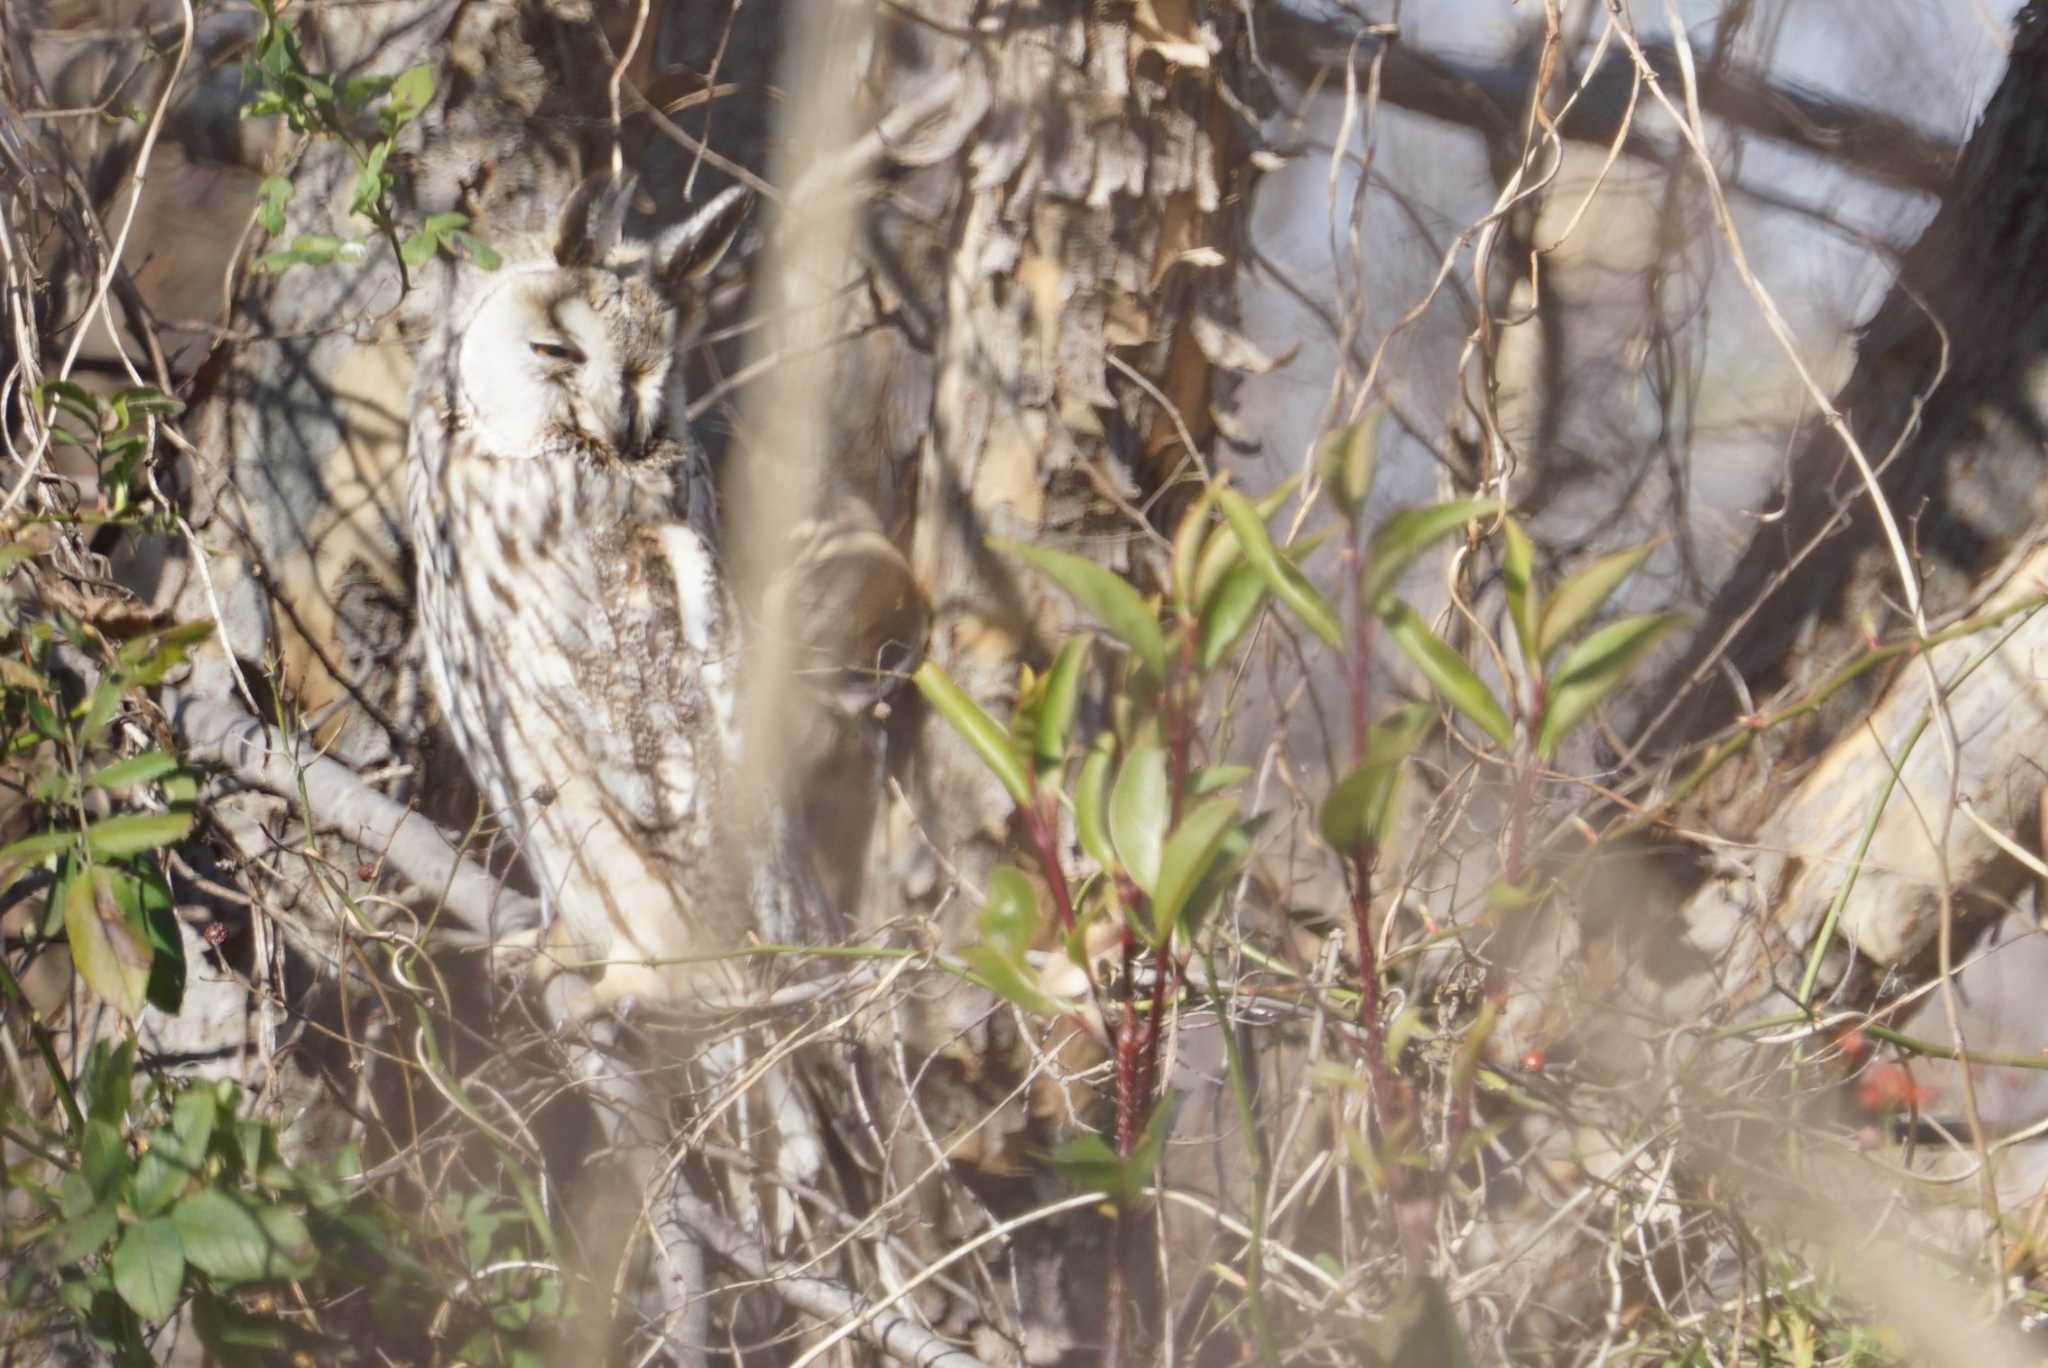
(577, 632)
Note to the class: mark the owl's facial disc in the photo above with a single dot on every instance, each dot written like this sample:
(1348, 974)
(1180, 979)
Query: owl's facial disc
(569, 359)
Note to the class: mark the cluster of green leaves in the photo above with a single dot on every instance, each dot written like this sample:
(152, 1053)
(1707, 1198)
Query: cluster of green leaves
(365, 114)
(160, 1194)
(1163, 832)
(113, 431)
(1557, 696)
(108, 901)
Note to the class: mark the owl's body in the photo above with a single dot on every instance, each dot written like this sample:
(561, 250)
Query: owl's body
(576, 629)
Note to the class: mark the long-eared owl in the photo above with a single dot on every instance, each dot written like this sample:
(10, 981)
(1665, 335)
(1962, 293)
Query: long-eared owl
(575, 625)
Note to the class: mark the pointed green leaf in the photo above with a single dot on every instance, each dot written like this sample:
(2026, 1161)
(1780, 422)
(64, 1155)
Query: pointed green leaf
(1409, 532)
(1188, 539)
(37, 846)
(1105, 596)
(1012, 981)
(1139, 808)
(1348, 460)
(136, 769)
(138, 889)
(1593, 669)
(160, 1175)
(1230, 610)
(1525, 598)
(137, 401)
(1056, 708)
(102, 1156)
(1088, 1163)
(149, 1268)
(410, 91)
(1575, 602)
(107, 952)
(1185, 859)
(976, 728)
(1447, 671)
(1222, 552)
(1213, 777)
(236, 1240)
(1091, 804)
(113, 1082)
(86, 1233)
(1009, 919)
(1287, 583)
(1354, 816)
(480, 252)
(134, 832)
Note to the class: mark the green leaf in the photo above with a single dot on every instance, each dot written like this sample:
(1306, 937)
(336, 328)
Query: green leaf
(1226, 616)
(1593, 669)
(1088, 1162)
(410, 92)
(138, 401)
(235, 1240)
(1139, 808)
(1575, 602)
(1010, 920)
(136, 769)
(228, 1331)
(1222, 552)
(1214, 777)
(1103, 595)
(480, 251)
(1185, 859)
(1091, 802)
(139, 890)
(1525, 598)
(1287, 583)
(1348, 460)
(976, 728)
(37, 846)
(134, 832)
(441, 225)
(1409, 532)
(417, 250)
(1056, 707)
(87, 1233)
(358, 91)
(1354, 816)
(1422, 1328)
(103, 1156)
(160, 1175)
(112, 1086)
(1009, 980)
(371, 182)
(149, 1268)
(108, 953)
(1447, 671)
(100, 711)
(1188, 539)
(74, 399)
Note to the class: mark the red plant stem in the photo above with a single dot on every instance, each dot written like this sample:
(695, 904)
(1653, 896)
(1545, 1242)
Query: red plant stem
(1041, 826)
(1358, 669)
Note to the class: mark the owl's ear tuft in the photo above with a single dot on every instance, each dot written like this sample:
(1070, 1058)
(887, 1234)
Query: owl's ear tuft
(688, 251)
(593, 219)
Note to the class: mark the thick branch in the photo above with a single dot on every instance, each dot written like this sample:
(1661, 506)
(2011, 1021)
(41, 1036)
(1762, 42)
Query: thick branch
(259, 755)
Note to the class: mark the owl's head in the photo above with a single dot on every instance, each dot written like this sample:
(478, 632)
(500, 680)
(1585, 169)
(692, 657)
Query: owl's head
(574, 350)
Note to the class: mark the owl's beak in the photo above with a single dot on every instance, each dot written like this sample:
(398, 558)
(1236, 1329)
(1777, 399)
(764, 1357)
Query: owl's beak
(629, 426)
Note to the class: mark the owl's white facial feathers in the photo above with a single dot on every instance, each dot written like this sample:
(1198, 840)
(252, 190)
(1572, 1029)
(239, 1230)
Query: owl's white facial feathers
(581, 359)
